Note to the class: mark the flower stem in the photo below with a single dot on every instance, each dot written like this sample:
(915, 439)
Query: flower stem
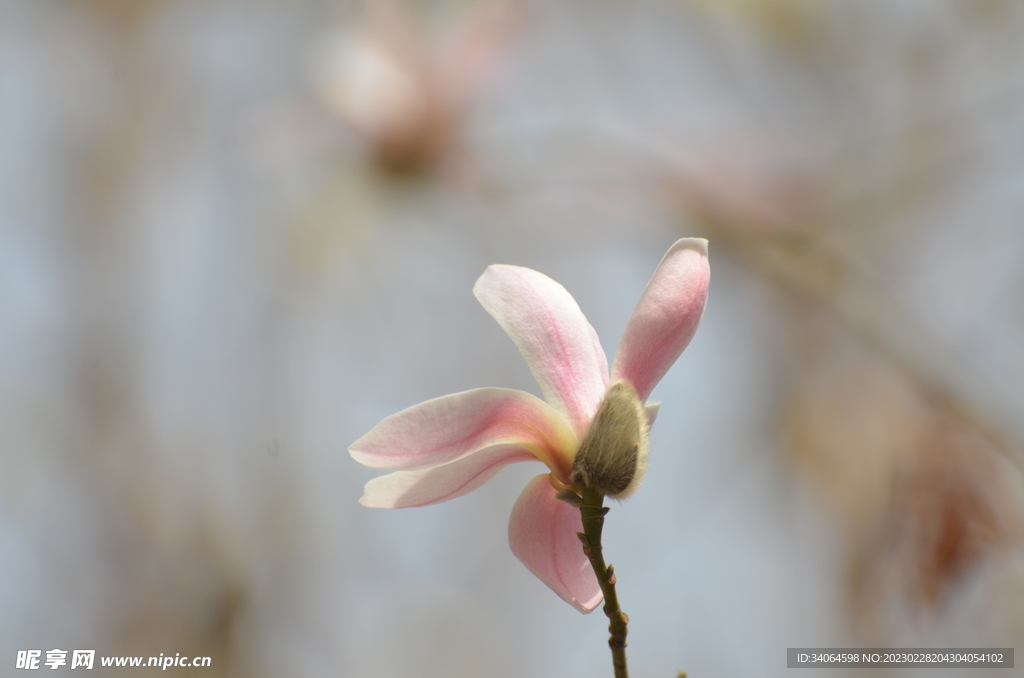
(593, 512)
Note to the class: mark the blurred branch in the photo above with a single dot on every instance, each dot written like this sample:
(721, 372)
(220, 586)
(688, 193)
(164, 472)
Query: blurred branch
(801, 263)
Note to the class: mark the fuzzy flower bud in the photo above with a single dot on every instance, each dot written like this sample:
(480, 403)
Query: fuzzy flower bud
(613, 455)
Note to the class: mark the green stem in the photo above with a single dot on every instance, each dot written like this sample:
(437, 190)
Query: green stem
(593, 512)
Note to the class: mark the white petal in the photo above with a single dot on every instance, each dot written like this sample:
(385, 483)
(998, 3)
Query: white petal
(404, 489)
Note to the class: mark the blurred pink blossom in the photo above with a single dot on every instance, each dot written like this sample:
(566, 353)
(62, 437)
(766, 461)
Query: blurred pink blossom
(405, 98)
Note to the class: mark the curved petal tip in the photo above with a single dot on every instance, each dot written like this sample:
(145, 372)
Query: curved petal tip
(666, 317)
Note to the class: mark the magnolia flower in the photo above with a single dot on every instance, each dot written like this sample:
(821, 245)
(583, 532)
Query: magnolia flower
(406, 97)
(449, 446)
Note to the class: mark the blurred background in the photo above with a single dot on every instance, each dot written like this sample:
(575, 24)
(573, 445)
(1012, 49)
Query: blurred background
(235, 235)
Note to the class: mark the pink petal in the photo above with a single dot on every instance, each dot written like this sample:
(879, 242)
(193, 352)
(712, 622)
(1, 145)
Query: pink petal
(651, 409)
(542, 534)
(553, 335)
(666, 316)
(404, 489)
(451, 427)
